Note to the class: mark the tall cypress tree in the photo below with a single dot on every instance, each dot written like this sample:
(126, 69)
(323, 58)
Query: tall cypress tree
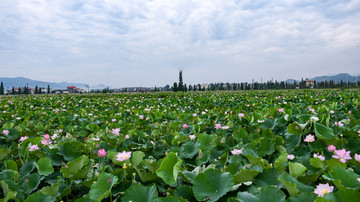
(181, 85)
(48, 89)
(19, 91)
(1, 88)
(36, 90)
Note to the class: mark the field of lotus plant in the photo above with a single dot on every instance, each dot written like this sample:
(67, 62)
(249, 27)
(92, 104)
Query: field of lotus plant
(288, 145)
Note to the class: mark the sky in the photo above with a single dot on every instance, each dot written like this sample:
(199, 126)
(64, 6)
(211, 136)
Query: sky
(146, 42)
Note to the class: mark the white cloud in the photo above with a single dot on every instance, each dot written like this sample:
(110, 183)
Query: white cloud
(127, 43)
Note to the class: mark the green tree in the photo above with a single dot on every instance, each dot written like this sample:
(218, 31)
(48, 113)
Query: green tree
(19, 91)
(26, 90)
(13, 91)
(181, 85)
(36, 90)
(48, 89)
(1, 88)
(175, 87)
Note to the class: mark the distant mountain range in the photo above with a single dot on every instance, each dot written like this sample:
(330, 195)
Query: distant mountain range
(21, 82)
(337, 78)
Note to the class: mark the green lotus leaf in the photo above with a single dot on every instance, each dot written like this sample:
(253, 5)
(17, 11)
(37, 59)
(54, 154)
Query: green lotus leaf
(68, 151)
(140, 193)
(294, 186)
(137, 157)
(343, 178)
(212, 184)
(189, 149)
(185, 192)
(207, 142)
(281, 163)
(324, 132)
(31, 182)
(171, 199)
(317, 163)
(307, 196)
(296, 169)
(343, 195)
(38, 196)
(11, 165)
(266, 194)
(26, 168)
(268, 177)
(44, 166)
(245, 175)
(169, 168)
(52, 190)
(74, 167)
(102, 188)
(3, 153)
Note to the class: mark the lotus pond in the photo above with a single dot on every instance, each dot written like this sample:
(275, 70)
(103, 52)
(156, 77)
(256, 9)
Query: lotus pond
(286, 145)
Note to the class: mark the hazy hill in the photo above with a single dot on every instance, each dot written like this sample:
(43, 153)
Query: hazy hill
(337, 78)
(21, 81)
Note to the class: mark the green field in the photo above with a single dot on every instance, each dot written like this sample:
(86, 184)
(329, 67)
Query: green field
(198, 146)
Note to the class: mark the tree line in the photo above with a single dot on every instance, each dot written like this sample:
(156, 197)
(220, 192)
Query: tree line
(24, 90)
(261, 85)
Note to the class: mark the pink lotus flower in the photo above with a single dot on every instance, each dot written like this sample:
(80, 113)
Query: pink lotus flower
(115, 131)
(127, 137)
(357, 157)
(217, 126)
(123, 156)
(5, 132)
(241, 115)
(60, 131)
(309, 138)
(46, 137)
(141, 116)
(34, 147)
(192, 137)
(185, 125)
(225, 127)
(339, 124)
(322, 189)
(342, 155)
(236, 151)
(45, 142)
(321, 157)
(332, 112)
(96, 139)
(54, 136)
(194, 115)
(281, 110)
(113, 120)
(290, 157)
(23, 138)
(331, 148)
(101, 153)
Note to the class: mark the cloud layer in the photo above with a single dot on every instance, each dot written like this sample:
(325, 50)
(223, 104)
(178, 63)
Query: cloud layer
(133, 43)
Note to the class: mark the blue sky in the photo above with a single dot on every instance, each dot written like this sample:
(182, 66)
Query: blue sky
(145, 43)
